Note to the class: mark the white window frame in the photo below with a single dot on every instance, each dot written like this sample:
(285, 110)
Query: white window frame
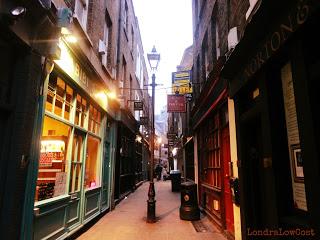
(84, 15)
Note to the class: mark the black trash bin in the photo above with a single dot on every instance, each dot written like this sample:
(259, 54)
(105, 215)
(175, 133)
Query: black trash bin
(175, 177)
(189, 209)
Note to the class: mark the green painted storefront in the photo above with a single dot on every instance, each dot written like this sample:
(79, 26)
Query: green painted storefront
(75, 144)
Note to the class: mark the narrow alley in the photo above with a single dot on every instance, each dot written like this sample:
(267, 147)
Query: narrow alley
(128, 221)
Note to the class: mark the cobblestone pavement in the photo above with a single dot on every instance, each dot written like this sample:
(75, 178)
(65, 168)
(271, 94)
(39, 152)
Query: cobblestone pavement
(127, 220)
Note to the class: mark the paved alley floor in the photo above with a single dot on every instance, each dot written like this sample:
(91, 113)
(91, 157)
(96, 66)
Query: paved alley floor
(128, 220)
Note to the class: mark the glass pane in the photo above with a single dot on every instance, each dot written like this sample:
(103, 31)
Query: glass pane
(76, 120)
(52, 174)
(69, 94)
(49, 101)
(83, 118)
(77, 150)
(92, 179)
(58, 107)
(67, 110)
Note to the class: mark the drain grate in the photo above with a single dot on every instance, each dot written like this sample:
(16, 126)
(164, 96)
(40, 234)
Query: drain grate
(199, 226)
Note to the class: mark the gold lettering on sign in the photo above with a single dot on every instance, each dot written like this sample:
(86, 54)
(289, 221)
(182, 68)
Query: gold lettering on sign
(274, 41)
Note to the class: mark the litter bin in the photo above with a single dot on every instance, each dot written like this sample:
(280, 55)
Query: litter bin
(175, 177)
(189, 209)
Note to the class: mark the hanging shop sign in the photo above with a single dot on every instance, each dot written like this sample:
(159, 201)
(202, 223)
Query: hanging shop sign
(144, 121)
(138, 105)
(181, 82)
(176, 103)
(171, 135)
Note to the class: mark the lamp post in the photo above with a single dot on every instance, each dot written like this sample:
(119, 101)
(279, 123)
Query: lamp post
(153, 59)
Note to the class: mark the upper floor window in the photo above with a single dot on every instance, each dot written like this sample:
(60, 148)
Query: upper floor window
(217, 41)
(126, 16)
(81, 12)
(206, 55)
(107, 39)
(132, 38)
(122, 84)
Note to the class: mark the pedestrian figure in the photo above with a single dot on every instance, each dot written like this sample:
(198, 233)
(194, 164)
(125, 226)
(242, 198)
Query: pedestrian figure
(158, 171)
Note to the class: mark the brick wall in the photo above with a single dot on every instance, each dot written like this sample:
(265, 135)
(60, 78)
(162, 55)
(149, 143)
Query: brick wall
(128, 52)
(238, 9)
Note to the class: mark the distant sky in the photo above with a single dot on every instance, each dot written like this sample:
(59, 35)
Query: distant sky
(167, 24)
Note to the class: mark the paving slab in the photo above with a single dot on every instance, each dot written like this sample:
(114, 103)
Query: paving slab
(128, 220)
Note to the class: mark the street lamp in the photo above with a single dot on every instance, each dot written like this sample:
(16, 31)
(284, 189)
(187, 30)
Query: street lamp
(153, 59)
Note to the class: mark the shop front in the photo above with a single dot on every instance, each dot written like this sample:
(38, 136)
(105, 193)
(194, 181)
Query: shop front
(126, 167)
(73, 180)
(211, 127)
(277, 121)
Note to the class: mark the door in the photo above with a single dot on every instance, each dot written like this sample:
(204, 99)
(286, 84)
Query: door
(228, 205)
(252, 155)
(106, 176)
(75, 184)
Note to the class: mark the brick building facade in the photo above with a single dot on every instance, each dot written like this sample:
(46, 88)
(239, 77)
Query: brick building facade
(209, 112)
(59, 94)
(271, 75)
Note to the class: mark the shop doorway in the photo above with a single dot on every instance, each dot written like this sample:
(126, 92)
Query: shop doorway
(106, 176)
(252, 175)
(228, 205)
(76, 176)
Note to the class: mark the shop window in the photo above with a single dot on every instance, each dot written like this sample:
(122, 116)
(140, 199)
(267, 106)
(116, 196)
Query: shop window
(52, 174)
(59, 97)
(81, 111)
(91, 179)
(210, 153)
(76, 163)
(293, 135)
(94, 120)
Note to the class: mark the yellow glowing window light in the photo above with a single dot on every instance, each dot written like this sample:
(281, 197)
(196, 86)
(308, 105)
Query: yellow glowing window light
(66, 61)
(52, 146)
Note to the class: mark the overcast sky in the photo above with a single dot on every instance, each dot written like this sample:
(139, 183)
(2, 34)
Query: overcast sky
(167, 24)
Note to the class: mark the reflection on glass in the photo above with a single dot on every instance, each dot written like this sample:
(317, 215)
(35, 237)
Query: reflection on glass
(91, 179)
(52, 172)
(76, 162)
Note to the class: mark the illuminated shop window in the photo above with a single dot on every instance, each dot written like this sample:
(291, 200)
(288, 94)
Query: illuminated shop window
(52, 174)
(91, 179)
(81, 112)
(94, 120)
(76, 162)
(59, 97)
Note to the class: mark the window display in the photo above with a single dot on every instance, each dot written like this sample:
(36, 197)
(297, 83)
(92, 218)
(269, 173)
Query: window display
(91, 179)
(52, 173)
(67, 144)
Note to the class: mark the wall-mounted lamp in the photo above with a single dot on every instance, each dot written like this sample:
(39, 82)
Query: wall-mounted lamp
(138, 138)
(68, 36)
(18, 12)
(112, 95)
(11, 16)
